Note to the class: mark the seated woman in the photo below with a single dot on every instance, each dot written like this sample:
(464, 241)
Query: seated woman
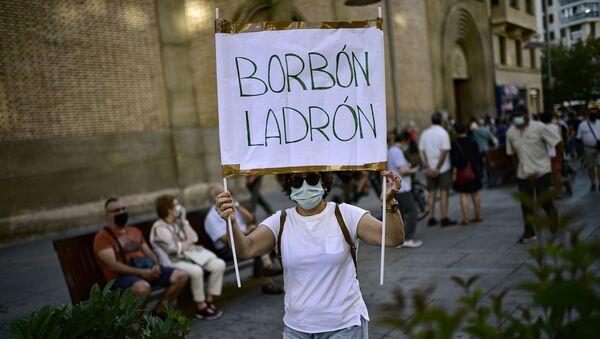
(316, 242)
(173, 234)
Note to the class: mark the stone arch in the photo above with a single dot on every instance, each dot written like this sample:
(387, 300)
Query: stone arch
(466, 96)
(267, 10)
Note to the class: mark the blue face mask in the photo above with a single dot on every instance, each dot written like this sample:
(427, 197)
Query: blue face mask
(519, 121)
(307, 196)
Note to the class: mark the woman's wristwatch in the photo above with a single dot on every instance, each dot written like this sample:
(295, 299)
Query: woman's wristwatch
(392, 207)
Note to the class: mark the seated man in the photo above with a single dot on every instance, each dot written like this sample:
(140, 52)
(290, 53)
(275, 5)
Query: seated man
(124, 256)
(216, 228)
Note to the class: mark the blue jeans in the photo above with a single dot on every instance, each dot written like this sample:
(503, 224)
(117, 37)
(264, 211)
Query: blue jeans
(352, 332)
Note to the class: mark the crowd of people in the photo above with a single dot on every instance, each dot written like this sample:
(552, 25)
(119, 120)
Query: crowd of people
(317, 251)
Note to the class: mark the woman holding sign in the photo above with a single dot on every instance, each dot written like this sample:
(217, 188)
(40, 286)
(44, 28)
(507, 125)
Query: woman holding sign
(316, 242)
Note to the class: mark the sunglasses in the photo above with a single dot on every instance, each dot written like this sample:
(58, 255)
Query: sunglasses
(297, 180)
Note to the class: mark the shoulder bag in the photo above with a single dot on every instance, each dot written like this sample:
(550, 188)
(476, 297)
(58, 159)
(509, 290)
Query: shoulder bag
(466, 174)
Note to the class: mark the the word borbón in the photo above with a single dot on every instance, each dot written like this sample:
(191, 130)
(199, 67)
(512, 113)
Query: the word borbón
(314, 123)
(321, 74)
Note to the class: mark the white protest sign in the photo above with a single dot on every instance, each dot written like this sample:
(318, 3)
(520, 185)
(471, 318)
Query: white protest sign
(301, 99)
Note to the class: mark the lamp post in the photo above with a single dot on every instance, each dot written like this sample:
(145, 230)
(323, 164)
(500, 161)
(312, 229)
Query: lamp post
(390, 38)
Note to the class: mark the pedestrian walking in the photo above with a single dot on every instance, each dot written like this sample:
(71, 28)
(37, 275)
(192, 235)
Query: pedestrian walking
(589, 134)
(467, 165)
(434, 146)
(398, 163)
(528, 142)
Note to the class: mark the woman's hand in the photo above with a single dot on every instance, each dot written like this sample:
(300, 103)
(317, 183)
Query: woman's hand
(225, 206)
(393, 184)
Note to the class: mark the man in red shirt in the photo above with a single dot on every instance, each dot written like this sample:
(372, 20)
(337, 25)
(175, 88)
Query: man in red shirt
(126, 258)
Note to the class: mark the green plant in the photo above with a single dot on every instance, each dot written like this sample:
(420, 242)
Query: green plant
(107, 314)
(564, 303)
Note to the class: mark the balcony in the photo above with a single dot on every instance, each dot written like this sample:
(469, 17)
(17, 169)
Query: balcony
(568, 2)
(580, 16)
(515, 22)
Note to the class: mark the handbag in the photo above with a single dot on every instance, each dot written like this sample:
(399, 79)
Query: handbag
(594, 134)
(466, 174)
(140, 261)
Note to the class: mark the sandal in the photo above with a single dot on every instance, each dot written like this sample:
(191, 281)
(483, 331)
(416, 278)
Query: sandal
(476, 218)
(465, 221)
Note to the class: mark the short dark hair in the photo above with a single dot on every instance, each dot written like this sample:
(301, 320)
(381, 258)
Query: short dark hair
(436, 118)
(163, 204)
(460, 128)
(403, 136)
(520, 110)
(326, 180)
(109, 201)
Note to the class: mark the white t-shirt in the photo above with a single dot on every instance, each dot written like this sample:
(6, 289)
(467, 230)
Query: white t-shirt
(531, 146)
(396, 159)
(433, 141)
(322, 293)
(584, 132)
(216, 227)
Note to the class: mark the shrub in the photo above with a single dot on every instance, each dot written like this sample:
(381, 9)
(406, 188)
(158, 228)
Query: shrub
(564, 295)
(107, 314)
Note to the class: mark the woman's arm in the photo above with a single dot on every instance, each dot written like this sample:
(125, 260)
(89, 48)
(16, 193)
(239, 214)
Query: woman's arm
(257, 243)
(369, 228)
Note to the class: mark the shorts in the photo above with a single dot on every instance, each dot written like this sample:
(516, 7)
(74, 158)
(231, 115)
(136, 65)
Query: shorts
(126, 281)
(442, 181)
(353, 332)
(591, 156)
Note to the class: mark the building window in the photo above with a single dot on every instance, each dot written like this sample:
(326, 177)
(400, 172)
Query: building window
(532, 62)
(502, 44)
(563, 33)
(519, 53)
(579, 12)
(593, 29)
(576, 33)
(552, 37)
(514, 4)
(495, 2)
(551, 18)
(549, 3)
(529, 7)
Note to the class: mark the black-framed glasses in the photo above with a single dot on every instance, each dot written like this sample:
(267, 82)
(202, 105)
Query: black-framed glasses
(296, 180)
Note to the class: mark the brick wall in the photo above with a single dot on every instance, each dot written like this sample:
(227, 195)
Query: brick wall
(79, 68)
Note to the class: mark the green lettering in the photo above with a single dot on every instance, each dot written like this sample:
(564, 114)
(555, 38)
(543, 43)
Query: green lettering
(270, 114)
(365, 70)
(294, 76)
(251, 76)
(285, 129)
(320, 70)
(319, 128)
(248, 132)
(372, 125)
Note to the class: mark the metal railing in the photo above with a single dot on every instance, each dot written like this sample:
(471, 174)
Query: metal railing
(580, 16)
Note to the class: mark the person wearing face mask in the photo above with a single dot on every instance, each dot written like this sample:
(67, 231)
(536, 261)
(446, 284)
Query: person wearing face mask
(408, 209)
(125, 257)
(589, 134)
(175, 236)
(316, 243)
(528, 143)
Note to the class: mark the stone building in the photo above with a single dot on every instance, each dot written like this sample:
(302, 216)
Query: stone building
(518, 69)
(102, 98)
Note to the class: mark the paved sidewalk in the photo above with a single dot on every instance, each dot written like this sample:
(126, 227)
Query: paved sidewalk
(30, 275)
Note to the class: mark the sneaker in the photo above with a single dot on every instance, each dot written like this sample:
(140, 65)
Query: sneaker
(448, 222)
(432, 222)
(209, 313)
(271, 288)
(410, 243)
(525, 239)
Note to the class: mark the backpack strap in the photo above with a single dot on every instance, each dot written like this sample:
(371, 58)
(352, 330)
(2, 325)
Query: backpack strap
(121, 252)
(346, 233)
(282, 218)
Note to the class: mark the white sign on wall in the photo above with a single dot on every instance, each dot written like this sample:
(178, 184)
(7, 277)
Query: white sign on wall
(301, 99)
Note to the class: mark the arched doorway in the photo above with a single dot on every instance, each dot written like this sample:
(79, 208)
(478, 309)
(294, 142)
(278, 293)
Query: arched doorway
(468, 73)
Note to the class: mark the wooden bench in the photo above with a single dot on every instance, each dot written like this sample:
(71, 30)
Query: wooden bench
(499, 163)
(81, 271)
